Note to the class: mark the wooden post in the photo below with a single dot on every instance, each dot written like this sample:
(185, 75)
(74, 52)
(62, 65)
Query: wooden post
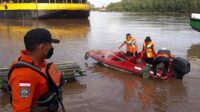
(68, 70)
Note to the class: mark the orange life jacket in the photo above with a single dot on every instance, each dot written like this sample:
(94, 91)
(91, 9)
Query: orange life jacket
(53, 78)
(49, 71)
(164, 53)
(148, 48)
(131, 45)
(53, 73)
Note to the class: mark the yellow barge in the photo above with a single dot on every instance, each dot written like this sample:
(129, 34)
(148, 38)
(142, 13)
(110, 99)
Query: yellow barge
(44, 9)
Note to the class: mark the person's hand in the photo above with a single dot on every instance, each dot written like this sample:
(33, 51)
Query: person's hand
(172, 56)
(171, 59)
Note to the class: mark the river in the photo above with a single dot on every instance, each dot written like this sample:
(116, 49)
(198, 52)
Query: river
(105, 89)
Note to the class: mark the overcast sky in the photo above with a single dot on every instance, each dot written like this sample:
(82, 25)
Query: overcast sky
(99, 3)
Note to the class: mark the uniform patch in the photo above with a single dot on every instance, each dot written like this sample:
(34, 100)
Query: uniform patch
(24, 92)
(24, 84)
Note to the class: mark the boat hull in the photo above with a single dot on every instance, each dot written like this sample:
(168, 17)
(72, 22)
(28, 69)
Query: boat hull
(43, 10)
(41, 14)
(195, 24)
(113, 60)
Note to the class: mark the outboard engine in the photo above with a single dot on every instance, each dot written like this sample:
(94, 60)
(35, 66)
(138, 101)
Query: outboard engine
(181, 67)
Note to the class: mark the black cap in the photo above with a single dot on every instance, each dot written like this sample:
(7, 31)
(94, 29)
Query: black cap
(148, 39)
(128, 34)
(38, 35)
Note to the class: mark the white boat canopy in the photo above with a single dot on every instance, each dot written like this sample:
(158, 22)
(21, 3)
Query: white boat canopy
(195, 16)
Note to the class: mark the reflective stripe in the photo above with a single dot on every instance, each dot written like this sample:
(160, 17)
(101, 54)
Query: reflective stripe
(131, 45)
(151, 72)
(156, 74)
(38, 109)
(163, 55)
(138, 68)
(130, 42)
(28, 64)
(53, 94)
(47, 100)
(149, 45)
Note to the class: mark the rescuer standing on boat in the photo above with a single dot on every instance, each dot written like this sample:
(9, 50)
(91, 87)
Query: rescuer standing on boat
(148, 50)
(131, 45)
(35, 85)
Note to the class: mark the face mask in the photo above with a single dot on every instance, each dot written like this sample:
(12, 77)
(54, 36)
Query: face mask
(50, 53)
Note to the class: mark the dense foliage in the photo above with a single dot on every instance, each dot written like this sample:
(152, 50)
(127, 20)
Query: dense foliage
(156, 6)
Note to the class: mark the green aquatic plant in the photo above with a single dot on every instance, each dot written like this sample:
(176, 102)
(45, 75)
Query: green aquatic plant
(146, 71)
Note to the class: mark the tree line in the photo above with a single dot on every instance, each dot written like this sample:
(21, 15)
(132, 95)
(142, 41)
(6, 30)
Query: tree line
(183, 6)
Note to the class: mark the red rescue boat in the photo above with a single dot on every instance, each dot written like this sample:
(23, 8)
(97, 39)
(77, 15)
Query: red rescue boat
(118, 60)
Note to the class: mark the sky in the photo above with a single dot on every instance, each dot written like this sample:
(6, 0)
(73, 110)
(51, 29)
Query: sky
(100, 3)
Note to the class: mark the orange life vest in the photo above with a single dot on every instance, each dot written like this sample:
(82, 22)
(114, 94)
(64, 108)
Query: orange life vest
(53, 73)
(53, 78)
(164, 53)
(148, 48)
(131, 45)
(49, 71)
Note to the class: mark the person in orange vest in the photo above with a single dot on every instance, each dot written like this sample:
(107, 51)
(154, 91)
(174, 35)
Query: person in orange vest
(148, 50)
(163, 56)
(131, 45)
(35, 85)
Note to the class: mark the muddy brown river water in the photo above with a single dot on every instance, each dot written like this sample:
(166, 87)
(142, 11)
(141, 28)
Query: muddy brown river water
(105, 89)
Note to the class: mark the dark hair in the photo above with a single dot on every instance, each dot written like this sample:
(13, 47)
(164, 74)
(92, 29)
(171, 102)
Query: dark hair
(148, 39)
(128, 34)
(31, 47)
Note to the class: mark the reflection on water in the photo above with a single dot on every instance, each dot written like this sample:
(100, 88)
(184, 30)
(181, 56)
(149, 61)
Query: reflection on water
(4, 102)
(73, 88)
(59, 28)
(13, 31)
(104, 89)
(143, 95)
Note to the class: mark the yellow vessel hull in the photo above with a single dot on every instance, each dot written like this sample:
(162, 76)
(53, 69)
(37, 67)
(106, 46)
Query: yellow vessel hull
(44, 6)
(43, 10)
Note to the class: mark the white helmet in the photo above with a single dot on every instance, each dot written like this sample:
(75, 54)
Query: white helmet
(163, 48)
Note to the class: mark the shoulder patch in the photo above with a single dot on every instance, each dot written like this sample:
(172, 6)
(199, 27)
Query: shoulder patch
(24, 92)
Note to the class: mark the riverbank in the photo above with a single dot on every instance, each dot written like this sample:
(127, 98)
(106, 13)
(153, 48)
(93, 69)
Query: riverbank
(194, 51)
(183, 6)
(105, 89)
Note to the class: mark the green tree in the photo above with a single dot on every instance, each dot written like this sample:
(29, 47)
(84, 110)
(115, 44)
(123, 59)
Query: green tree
(156, 6)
